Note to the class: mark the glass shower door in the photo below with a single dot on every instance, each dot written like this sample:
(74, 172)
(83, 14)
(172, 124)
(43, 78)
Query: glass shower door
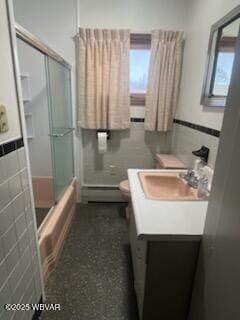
(60, 123)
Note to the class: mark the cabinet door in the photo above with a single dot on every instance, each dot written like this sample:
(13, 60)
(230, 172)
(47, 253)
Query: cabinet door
(170, 271)
(139, 253)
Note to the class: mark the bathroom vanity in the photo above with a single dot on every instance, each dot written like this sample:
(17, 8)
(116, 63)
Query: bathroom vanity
(165, 236)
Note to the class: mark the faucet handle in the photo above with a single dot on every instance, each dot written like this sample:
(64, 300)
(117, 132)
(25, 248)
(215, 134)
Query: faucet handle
(203, 153)
(190, 173)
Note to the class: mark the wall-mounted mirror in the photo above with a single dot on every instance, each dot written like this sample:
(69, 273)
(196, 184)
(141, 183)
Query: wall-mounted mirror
(221, 52)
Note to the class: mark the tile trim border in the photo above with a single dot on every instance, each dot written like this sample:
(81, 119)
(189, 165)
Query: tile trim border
(11, 146)
(210, 131)
(198, 127)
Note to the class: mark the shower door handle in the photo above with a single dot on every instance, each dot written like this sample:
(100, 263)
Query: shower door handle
(60, 135)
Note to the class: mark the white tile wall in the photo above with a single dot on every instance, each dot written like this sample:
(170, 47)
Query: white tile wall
(134, 148)
(19, 267)
(185, 140)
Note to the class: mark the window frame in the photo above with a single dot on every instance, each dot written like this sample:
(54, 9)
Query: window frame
(141, 41)
(226, 45)
(207, 99)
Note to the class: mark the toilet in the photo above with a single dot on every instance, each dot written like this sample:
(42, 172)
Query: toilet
(125, 190)
(163, 161)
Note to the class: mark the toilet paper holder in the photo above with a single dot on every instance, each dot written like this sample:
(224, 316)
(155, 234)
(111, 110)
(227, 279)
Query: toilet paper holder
(102, 130)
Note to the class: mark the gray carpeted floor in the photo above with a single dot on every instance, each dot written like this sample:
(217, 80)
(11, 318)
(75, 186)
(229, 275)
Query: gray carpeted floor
(93, 280)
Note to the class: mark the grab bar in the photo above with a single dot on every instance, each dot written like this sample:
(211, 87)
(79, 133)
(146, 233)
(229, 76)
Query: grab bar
(60, 135)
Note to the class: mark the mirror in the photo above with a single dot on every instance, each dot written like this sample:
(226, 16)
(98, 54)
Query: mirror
(221, 54)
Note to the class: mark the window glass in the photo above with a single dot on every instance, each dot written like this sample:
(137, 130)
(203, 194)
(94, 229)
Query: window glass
(139, 66)
(223, 73)
(224, 58)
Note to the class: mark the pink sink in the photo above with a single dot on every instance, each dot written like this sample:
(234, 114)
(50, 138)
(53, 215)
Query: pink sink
(166, 186)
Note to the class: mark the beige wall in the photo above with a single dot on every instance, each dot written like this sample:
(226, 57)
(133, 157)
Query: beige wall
(201, 14)
(7, 83)
(137, 15)
(54, 22)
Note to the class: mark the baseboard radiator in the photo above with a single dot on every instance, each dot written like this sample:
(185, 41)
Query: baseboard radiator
(96, 193)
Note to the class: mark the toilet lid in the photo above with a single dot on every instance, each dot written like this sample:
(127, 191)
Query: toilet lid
(124, 186)
(169, 161)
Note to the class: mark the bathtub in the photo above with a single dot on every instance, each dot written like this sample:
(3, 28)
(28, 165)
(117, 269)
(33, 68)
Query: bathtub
(54, 230)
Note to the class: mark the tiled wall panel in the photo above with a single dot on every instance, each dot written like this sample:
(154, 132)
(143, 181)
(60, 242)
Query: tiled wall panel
(134, 148)
(185, 140)
(20, 280)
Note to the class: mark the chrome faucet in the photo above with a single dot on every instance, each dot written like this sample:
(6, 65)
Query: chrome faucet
(191, 178)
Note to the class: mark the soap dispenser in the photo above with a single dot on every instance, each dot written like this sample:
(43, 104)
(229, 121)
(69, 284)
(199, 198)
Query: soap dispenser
(197, 165)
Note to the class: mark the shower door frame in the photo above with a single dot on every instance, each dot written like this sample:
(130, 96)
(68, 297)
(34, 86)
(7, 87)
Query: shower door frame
(30, 39)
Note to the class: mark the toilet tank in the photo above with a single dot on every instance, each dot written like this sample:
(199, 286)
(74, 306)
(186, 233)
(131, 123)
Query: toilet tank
(168, 161)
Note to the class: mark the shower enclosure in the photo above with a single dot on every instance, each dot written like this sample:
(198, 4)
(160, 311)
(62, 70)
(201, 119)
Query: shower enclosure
(46, 90)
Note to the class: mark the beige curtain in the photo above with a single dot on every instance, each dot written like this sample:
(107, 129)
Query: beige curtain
(164, 78)
(103, 79)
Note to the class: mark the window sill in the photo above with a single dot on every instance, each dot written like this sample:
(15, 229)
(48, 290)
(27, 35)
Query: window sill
(213, 101)
(138, 99)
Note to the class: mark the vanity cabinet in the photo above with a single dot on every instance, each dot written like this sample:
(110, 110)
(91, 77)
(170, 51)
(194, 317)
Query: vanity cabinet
(163, 275)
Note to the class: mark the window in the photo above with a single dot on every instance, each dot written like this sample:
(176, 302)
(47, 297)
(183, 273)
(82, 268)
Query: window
(223, 73)
(224, 64)
(220, 60)
(139, 66)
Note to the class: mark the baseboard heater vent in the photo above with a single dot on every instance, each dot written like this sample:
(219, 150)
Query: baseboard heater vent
(102, 188)
(101, 194)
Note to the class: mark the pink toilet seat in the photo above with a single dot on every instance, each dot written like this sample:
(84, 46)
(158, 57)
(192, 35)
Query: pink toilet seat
(125, 190)
(124, 186)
